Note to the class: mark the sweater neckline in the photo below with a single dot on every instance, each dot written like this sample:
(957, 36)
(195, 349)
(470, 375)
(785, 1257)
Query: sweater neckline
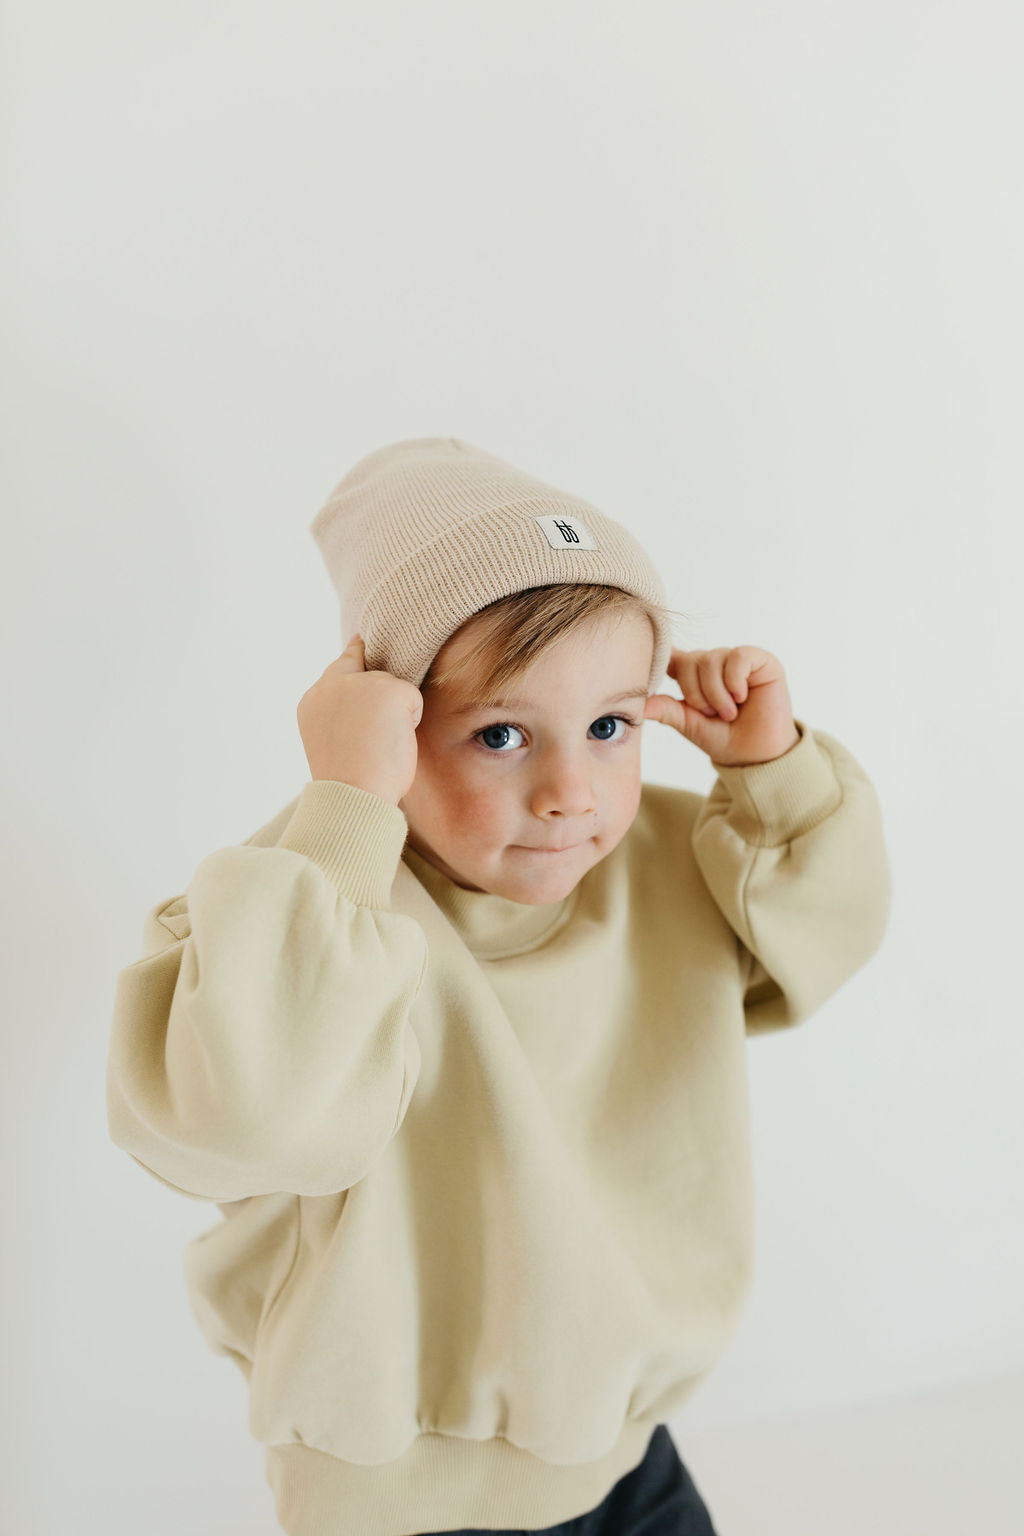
(492, 927)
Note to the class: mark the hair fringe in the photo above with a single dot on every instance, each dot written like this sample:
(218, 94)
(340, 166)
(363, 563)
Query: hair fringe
(515, 630)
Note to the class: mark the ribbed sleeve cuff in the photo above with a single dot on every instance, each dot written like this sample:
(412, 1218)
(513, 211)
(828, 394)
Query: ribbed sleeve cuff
(775, 801)
(353, 835)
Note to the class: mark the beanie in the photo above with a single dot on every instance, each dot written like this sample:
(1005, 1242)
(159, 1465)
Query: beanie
(423, 533)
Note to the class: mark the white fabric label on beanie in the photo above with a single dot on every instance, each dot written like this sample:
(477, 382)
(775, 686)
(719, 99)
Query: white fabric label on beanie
(566, 533)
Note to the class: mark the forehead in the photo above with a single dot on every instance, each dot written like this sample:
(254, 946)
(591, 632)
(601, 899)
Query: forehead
(638, 691)
(612, 649)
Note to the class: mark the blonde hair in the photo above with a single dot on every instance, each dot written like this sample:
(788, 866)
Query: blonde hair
(519, 627)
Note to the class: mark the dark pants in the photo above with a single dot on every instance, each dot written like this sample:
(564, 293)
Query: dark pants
(657, 1498)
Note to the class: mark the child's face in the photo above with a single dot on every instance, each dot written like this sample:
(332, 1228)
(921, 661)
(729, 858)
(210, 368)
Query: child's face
(494, 786)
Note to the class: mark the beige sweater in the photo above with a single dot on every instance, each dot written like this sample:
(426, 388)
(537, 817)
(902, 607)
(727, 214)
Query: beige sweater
(483, 1168)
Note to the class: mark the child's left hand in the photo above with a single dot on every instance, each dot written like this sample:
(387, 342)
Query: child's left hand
(735, 704)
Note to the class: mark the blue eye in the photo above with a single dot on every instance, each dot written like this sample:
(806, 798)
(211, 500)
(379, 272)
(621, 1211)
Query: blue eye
(507, 725)
(494, 730)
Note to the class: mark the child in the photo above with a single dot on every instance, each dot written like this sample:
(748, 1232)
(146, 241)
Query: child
(457, 1040)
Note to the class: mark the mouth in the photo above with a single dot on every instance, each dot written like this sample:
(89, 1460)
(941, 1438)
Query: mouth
(519, 848)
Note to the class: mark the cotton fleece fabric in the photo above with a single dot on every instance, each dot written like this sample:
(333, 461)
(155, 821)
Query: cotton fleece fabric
(484, 1168)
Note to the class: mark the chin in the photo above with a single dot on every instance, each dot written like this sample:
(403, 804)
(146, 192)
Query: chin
(546, 888)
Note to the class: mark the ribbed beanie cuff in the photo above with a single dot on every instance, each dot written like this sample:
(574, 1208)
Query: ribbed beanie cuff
(422, 534)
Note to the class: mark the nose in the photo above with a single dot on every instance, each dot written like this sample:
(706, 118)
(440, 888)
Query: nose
(563, 787)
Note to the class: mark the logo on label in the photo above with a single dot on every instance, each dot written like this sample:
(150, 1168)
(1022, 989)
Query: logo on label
(566, 533)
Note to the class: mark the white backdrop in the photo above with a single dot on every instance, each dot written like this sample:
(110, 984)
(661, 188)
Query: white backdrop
(746, 276)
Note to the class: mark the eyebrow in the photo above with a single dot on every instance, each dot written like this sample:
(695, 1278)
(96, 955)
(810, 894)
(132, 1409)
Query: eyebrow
(478, 706)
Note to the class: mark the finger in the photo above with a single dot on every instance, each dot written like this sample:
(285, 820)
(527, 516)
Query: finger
(736, 673)
(353, 657)
(684, 718)
(684, 668)
(709, 670)
(665, 710)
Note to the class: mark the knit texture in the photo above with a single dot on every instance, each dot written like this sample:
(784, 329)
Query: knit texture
(422, 534)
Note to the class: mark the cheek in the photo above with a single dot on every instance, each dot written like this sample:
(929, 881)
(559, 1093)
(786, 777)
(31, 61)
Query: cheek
(479, 809)
(466, 801)
(624, 795)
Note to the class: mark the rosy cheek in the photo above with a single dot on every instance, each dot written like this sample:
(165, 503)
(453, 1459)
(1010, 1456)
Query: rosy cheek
(477, 812)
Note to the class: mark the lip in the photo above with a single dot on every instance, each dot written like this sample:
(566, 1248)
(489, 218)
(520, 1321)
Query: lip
(567, 849)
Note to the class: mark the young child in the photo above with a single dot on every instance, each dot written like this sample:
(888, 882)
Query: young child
(456, 1042)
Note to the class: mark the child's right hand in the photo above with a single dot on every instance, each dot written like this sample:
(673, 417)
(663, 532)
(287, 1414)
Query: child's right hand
(359, 726)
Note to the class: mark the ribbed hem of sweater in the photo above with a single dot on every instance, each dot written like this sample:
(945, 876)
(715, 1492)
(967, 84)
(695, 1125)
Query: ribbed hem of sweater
(442, 1483)
(776, 801)
(355, 836)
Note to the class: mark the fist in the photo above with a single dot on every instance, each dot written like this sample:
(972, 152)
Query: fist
(359, 726)
(735, 704)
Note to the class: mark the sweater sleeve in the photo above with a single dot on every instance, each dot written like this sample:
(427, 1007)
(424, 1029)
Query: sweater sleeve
(793, 853)
(262, 1042)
